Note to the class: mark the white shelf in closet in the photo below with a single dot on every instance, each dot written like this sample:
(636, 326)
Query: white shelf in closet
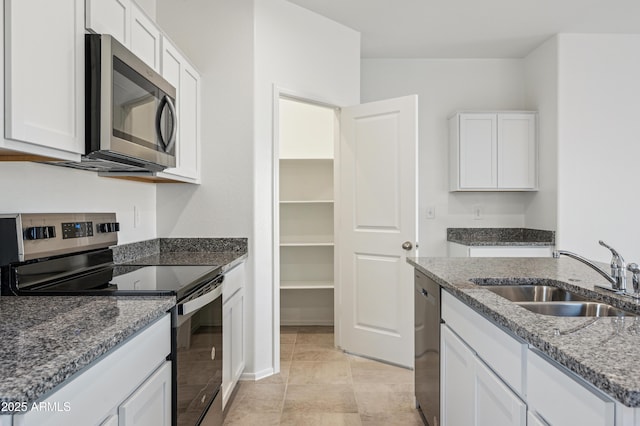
(306, 285)
(306, 201)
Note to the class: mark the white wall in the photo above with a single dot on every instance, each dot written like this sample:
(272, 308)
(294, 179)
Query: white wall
(308, 54)
(242, 50)
(444, 86)
(599, 144)
(41, 188)
(541, 91)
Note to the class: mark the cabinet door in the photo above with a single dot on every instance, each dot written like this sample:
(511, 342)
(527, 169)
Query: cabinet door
(145, 38)
(109, 17)
(478, 144)
(177, 71)
(237, 335)
(189, 143)
(150, 404)
(495, 403)
(233, 343)
(581, 405)
(533, 420)
(517, 151)
(456, 380)
(44, 80)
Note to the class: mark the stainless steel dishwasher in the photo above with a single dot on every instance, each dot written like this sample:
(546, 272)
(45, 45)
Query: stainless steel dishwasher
(427, 348)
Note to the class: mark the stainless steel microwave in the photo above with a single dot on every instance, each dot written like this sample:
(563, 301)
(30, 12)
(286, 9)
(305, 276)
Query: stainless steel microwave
(131, 119)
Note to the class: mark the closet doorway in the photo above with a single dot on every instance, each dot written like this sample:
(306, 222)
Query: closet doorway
(306, 205)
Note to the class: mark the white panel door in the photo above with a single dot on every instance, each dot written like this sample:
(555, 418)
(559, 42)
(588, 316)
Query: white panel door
(516, 151)
(478, 151)
(377, 214)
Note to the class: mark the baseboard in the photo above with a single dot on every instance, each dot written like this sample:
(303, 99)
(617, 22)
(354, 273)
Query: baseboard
(257, 375)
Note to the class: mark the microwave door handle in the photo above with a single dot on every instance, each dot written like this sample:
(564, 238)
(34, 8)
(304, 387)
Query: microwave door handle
(174, 127)
(166, 102)
(163, 103)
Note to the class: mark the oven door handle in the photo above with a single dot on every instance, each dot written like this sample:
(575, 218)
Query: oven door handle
(195, 304)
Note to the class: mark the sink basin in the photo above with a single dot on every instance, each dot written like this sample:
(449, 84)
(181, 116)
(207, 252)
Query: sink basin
(534, 293)
(574, 309)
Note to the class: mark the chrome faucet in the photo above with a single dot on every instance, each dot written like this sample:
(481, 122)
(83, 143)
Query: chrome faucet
(618, 276)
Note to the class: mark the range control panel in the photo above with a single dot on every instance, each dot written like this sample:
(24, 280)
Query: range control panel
(37, 235)
(77, 229)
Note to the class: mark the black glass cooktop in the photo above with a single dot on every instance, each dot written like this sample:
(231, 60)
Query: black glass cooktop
(179, 281)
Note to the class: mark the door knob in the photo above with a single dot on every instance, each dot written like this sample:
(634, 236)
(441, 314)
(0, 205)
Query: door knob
(407, 245)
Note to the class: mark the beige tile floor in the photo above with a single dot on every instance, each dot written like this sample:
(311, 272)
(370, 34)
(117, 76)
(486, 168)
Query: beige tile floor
(320, 385)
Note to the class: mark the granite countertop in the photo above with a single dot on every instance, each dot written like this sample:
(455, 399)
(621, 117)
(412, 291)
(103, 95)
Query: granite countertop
(46, 340)
(501, 237)
(224, 252)
(600, 350)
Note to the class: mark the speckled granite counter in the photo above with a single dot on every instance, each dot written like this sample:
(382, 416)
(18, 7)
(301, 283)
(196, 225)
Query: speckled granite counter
(500, 237)
(46, 340)
(600, 350)
(225, 252)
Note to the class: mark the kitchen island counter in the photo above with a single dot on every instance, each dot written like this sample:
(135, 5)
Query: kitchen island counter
(600, 350)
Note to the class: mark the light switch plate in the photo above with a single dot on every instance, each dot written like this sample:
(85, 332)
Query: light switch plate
(431, 212)
(477, 211)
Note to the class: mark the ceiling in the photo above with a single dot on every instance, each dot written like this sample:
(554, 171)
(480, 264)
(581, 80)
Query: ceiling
(472, 28)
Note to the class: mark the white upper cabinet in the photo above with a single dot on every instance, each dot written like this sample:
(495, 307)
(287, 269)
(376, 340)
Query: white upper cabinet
(145, 38)
(184, 77)
(493, 151)
(125, 21)
(128, 24)
(44, 78)
(110, 17)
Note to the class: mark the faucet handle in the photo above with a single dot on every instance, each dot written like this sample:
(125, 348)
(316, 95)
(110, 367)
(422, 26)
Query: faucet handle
(616, 255)
(635, 270)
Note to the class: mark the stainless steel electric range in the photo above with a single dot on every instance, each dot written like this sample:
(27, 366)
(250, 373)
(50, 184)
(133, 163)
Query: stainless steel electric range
(69, 254)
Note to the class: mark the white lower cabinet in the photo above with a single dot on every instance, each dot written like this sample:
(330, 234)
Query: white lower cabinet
(571, 402)
(129, 386)
(233, 305)
(150, 404)
(471, 393)
(490, 377)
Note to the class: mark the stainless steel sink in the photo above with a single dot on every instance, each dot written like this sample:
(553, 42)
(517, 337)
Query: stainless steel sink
(537, 296)
(574, 309)
(535, 293)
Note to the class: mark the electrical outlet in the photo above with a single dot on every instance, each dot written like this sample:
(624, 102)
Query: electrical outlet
(136, 216)
(431, 212)
(476, 211)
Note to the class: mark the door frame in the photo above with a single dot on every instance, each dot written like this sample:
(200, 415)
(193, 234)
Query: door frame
(312, 99)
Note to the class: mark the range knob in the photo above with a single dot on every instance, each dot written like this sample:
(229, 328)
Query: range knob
(105, 228)
(39, 232)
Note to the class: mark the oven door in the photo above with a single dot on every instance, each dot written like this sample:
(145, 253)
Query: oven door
(199, 354)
